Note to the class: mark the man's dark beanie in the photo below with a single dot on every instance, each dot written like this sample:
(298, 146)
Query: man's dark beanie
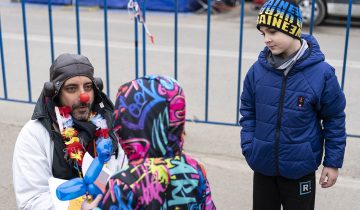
(64, 67)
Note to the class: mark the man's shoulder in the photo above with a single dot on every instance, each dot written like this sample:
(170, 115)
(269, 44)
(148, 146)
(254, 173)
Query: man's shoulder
(32, 135)
(34, 126)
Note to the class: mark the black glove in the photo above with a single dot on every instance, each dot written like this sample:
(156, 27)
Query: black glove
(86, 130)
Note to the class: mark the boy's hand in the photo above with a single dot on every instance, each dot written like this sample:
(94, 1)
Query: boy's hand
(93, 205)
(328, 177)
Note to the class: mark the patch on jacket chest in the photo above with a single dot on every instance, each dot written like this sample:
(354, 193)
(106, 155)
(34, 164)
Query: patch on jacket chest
(300, 101)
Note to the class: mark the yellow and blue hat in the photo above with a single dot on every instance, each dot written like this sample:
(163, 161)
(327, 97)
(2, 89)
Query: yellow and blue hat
(282, 15)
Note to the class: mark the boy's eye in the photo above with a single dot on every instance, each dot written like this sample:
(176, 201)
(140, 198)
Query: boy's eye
(272, 31)
(262, 34)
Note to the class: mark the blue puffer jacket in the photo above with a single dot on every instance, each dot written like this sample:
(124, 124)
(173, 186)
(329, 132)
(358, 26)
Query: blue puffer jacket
(288, 120)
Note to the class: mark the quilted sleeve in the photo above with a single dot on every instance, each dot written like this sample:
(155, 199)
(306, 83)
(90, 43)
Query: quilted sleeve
(332, 113)
(247, 110)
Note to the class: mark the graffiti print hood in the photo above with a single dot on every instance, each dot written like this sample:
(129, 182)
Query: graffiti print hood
(149, 118)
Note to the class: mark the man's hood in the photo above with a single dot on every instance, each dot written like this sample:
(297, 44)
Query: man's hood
(149, 117)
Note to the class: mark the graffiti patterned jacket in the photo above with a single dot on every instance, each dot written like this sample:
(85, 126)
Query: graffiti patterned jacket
(149, 122)
(287, 121)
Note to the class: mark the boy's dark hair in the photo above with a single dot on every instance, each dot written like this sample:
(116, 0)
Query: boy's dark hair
(282, 15)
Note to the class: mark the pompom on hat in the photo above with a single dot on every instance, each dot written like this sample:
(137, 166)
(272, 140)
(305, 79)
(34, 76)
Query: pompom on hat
(282, 15)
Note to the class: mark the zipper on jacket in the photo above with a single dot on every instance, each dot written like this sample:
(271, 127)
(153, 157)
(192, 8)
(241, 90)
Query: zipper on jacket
(278, 124)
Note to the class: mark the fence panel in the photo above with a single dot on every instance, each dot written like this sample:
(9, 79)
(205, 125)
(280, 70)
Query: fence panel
(144, 48)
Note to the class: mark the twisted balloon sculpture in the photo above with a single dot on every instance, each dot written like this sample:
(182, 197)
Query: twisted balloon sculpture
(77, 187)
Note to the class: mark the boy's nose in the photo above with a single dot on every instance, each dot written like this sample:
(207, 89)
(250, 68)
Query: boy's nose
(267, 39)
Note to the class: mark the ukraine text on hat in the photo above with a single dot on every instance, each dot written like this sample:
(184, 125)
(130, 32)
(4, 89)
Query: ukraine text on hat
(281, 15)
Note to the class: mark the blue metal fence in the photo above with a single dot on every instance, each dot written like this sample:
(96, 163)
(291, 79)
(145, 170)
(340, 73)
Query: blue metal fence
(346, 44)
(51, 31)
(23, 8)
(3, 64)
(106, 49)
(136, 51)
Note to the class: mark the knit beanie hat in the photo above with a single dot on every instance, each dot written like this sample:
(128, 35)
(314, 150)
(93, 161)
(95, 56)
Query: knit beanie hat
(69, 65)
(66, 66)
(282, 15)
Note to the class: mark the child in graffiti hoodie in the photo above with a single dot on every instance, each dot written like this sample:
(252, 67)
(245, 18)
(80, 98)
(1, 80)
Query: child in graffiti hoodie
(149, 121)
(292, 111)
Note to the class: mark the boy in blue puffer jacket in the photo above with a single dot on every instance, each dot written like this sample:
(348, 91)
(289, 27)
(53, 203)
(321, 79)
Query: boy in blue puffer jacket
(292, 109)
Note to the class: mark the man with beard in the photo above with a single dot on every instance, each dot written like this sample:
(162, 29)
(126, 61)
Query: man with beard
(71, 116)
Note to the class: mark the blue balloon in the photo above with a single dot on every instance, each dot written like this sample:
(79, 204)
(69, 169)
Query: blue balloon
(93, 171)
(93, 190)
(71, 189)
(77, 187)
(104, 149)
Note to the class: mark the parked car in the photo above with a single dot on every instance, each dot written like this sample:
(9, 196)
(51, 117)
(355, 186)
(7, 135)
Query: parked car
(328, 8)
(324, 9)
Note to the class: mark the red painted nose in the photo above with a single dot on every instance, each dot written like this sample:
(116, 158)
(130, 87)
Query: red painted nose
(84, 98)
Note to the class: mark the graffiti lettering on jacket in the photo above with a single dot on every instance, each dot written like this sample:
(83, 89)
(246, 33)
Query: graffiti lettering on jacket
(143, 101)
(184, 181)
(150, 189)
